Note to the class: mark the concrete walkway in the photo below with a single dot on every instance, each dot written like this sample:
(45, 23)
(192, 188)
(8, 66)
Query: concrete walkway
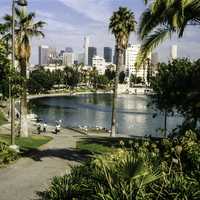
(32, 175)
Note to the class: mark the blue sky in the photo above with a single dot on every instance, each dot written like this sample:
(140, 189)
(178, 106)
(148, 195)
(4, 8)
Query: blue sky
(68, 21)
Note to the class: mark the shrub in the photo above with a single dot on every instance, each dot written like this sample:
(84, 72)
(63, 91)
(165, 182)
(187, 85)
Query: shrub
(166, 169)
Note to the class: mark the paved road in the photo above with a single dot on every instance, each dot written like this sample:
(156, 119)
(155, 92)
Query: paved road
(28, 176)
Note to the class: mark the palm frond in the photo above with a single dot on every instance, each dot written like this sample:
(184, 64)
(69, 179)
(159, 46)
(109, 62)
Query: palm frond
(152, 41)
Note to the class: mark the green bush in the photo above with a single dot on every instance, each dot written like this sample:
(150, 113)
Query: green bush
(6, 154)
(167, 169)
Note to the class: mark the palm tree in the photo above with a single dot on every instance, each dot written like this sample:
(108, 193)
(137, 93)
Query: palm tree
(25, 30)
(162, 19)
(122, 23)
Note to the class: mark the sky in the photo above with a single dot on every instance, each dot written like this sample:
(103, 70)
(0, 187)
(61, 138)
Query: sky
(68, 21)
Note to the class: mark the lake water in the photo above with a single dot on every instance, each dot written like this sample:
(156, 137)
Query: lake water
(134, 117)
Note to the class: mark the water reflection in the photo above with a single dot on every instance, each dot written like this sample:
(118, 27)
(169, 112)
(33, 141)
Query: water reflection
(134, 116)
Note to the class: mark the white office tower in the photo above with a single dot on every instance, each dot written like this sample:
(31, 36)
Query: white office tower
(43, 55)
(130, 60)
(86, 45)
(99, 63)
(68, 59)
(174, 52)
(81, 57)
(154, 58)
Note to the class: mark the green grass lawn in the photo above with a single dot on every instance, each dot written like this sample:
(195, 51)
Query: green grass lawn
(26, 144)
(2, 119)
(101, 145)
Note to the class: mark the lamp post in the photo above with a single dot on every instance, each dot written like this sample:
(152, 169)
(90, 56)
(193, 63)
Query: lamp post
(12, 102)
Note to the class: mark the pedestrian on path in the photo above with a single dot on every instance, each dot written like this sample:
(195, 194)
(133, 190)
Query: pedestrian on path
(44, 127)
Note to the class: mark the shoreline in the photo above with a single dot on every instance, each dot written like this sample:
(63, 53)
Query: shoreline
(65, 94)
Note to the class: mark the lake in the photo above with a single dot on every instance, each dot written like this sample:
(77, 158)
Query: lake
(134, 116)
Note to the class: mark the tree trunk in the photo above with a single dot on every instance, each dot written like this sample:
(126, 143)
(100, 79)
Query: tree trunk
(114, 100)
(165, 123)
(23, 102)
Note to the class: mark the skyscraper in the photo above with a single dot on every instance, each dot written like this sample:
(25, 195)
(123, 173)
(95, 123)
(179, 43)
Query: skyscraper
(68, 59)
(92, 51)
(107, 51)
(86, 45)
(43, 55)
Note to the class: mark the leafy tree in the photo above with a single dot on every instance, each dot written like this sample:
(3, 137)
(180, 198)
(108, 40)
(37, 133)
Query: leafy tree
(176, 86)
(110, 74)
(121, 77)
(71, 77)
(40, 81)
(4, 70)
(25, 29)
(162, 19)
(93, 77)
(122, 23)
(135, 80)
(102, 81)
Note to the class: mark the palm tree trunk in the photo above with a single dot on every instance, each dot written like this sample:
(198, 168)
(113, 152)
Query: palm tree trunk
(23, 102)
(119, 63)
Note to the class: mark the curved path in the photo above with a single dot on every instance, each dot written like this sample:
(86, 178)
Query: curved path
(29, 176)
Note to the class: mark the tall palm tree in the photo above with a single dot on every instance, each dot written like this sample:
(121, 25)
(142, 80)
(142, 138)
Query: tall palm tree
(162, 19)
(122, 23)
(26, 28)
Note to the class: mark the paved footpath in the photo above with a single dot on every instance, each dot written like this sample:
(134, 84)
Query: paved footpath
(28, 176)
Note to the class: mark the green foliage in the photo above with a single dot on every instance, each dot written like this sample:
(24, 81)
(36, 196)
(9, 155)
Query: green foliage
(4, 70)
(71, 77)
(40, 81)
(2, 118)
(165, 169)
(121, 77)
(176, 86)
(161, 19)
(110, 74)
(27, 144)
(102, 81)
(119, 175)
(6, 154)
(135, 80)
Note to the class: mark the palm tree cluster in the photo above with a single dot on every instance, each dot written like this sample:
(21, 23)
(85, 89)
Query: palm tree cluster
(163, 18)
(25, 29)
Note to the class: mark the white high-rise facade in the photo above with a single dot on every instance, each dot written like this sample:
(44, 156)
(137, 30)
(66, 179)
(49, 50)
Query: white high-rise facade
(174, 52)
(130, 58)
(130, 61)
(86, 45)
(68, 59)
(99, 63)
(43, 55)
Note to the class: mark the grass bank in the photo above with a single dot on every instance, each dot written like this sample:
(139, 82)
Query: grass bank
(101, 145)
(2, 119)
(26, 146)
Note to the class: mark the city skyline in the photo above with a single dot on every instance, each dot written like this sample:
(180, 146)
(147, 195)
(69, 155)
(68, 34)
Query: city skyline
(69, 21)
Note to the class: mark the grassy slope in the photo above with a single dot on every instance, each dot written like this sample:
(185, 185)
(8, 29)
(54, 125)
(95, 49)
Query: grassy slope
(29, 143)
(2, 119)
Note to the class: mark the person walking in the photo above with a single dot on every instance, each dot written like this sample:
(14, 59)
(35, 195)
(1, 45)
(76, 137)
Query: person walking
(39, 128)
(44, 127)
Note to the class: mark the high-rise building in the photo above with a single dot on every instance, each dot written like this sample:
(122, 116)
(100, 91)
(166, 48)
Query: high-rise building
(154, 58)
(107, 51)
(174, 52)
(52, 55)
(92, 51)
(68, 59)
(69, 50)
(99, 64)
(43, 55)
(86, 45)
(81, 58)
(130, 61)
